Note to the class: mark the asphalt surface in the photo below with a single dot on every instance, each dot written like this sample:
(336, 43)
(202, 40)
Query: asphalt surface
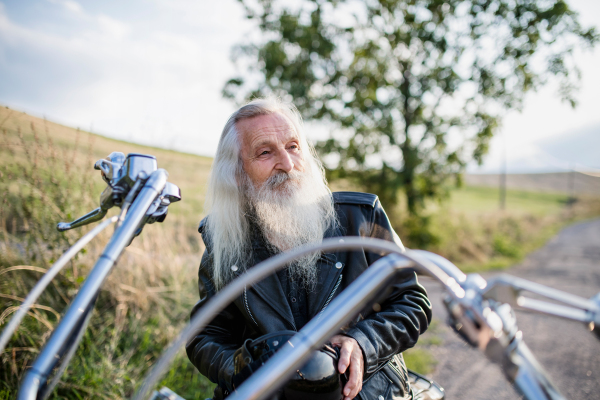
(566, 349)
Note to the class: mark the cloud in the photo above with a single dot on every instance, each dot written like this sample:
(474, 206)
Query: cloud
(116, 29)
(134, 77)
(69, 5)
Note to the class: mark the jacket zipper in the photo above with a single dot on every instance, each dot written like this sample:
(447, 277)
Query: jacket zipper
(403, 375)
(248, 307)
(337, 284)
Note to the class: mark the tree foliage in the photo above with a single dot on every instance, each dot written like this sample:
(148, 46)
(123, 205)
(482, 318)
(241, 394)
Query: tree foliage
(412, 89)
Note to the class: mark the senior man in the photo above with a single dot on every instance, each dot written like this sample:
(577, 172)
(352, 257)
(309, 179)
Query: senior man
(266, 194)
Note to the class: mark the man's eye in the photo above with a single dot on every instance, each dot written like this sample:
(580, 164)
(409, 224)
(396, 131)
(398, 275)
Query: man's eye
(264, 152)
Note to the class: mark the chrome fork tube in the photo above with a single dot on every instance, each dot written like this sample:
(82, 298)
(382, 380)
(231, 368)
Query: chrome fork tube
(530, 378)
(64, 336)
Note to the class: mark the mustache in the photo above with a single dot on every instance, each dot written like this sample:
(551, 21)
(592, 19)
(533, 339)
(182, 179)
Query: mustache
(280, 178)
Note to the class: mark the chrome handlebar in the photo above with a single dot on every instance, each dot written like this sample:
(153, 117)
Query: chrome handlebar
(509, 289)
(479, 311)
(484, 317)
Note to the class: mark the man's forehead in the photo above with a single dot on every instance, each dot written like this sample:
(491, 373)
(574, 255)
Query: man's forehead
(265, 128)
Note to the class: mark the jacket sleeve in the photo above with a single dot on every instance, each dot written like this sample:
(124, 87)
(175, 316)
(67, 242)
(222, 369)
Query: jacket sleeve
(404, 314)
(211, 350)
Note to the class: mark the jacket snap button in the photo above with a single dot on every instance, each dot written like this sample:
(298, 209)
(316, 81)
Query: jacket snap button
(380, 398)
(293, 299)
(338, 265)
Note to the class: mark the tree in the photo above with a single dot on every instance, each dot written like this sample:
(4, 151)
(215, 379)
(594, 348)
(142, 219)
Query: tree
(413, 89)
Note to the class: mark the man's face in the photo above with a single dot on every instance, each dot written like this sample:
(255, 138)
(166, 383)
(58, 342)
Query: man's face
(270, 145)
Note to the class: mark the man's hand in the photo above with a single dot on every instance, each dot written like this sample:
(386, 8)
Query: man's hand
(350, 357)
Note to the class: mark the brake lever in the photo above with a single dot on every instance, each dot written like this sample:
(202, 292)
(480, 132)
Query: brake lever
(508, 289)
(92, 216)
(110, 169)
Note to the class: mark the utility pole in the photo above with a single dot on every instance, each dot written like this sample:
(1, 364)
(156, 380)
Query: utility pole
(571, 180)
(503, 176)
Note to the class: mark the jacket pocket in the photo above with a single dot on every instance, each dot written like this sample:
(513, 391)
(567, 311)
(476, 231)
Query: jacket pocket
(396, 372)
(377, 387)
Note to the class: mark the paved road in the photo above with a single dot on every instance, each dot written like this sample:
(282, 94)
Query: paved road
(566, 349)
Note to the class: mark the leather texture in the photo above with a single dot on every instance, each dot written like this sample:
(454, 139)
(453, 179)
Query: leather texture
(405, 310)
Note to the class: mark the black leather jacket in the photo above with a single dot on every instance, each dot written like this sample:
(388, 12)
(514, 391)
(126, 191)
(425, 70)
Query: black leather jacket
(382, 335)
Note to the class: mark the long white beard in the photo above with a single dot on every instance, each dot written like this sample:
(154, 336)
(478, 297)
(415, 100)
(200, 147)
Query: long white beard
(292, 209)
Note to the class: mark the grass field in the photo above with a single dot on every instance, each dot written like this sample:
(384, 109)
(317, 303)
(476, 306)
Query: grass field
(480, 199)
(576, 183)
(46, 176)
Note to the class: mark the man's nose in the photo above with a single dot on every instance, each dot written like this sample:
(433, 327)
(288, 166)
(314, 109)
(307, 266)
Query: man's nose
(285, 162)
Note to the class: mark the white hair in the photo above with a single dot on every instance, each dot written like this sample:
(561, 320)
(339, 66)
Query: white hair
(227, 226)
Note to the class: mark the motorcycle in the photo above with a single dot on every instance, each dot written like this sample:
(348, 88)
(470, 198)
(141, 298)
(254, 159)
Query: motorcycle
(480, 311)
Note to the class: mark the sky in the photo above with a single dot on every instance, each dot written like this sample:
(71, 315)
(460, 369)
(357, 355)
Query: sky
(152, 71)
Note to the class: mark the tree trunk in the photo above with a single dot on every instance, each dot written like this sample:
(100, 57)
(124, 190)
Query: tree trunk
(408, 174)
(410, 157)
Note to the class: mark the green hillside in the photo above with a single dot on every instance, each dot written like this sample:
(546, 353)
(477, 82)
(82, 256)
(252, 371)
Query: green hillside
(82, 149)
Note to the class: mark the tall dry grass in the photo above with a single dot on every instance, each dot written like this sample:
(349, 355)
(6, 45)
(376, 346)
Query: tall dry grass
(144, 302)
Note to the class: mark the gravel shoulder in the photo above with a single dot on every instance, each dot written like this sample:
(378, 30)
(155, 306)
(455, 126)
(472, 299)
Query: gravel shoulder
(566, 349)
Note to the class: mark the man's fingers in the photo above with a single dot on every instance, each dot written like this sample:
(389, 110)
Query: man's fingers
(351, 360)
(345, 353)
(354, 384)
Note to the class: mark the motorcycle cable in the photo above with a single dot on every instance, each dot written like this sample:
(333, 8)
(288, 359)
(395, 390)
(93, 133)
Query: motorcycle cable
(46, 279)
